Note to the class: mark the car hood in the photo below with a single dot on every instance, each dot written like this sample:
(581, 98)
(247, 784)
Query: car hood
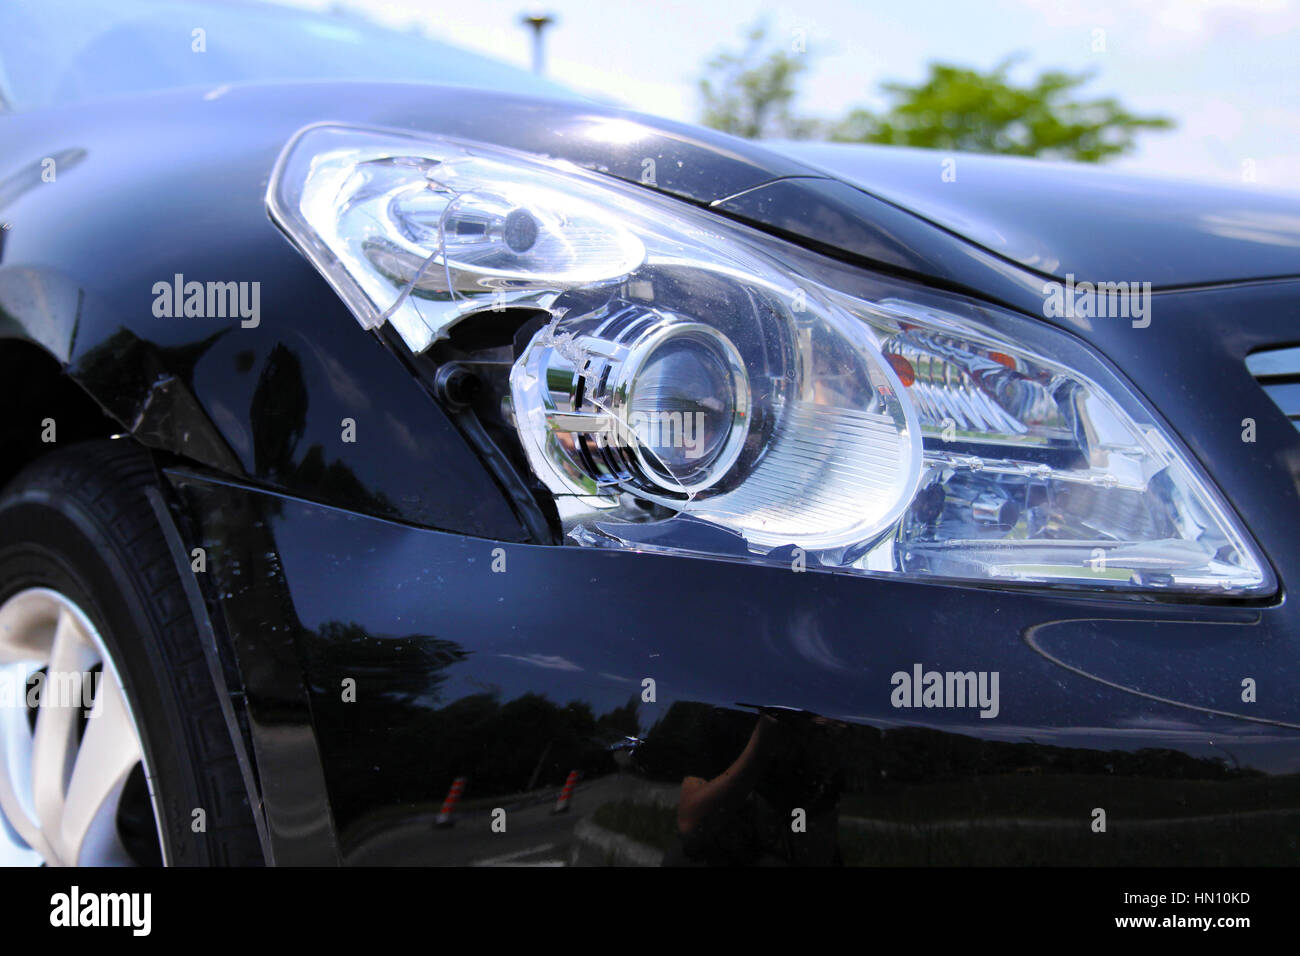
(1063, 219)
(993, 227)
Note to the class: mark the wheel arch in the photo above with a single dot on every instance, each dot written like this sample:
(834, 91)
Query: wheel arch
(44, 407)
(41, 401)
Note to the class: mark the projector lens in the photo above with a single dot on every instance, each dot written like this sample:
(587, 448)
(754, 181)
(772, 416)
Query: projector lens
(687, 404)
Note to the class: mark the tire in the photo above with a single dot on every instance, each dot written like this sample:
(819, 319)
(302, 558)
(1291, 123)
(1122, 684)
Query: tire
(77, 524)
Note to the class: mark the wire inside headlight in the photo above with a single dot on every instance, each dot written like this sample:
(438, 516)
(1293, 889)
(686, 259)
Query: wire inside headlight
(690, 390)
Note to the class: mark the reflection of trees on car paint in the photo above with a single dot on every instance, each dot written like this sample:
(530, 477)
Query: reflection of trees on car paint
(401, 722)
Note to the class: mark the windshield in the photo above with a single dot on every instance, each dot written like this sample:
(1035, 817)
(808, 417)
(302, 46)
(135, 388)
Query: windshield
(64, 51)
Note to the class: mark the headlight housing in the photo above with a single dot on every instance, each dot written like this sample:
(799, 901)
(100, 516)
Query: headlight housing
(693, 390)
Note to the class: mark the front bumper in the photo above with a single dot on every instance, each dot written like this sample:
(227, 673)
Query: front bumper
(381, 662)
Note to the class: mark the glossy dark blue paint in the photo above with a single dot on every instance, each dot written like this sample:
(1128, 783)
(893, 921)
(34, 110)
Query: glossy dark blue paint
(1097, 224)
(444, 684)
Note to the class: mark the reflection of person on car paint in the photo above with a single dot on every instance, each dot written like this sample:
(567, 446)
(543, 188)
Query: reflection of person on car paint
(747, 814)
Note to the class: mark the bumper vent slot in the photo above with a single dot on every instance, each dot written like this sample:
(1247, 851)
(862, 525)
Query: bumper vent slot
(1278, 373)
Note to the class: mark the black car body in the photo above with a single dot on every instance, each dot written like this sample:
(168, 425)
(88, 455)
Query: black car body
(371, 561)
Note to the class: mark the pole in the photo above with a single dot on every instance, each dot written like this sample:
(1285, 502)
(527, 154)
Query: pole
(539, 22)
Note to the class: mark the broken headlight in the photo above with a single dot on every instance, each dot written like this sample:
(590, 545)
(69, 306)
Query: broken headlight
(691, 389)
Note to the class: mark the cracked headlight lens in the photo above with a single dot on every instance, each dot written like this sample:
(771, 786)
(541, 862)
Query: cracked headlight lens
(692, 389)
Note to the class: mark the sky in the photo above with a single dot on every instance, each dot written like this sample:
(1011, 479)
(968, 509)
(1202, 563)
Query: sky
(1227, 71)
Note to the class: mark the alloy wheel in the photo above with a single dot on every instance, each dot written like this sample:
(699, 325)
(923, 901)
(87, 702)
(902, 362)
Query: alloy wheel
(74, 784)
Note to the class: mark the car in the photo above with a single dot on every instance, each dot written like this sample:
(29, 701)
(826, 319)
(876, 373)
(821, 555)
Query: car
(392, 437)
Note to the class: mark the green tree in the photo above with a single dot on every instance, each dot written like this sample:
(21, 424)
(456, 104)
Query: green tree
(957, 108)
(749, 92)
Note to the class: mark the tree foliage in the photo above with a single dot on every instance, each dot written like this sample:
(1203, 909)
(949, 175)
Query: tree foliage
(957, 108)
(751, 93)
